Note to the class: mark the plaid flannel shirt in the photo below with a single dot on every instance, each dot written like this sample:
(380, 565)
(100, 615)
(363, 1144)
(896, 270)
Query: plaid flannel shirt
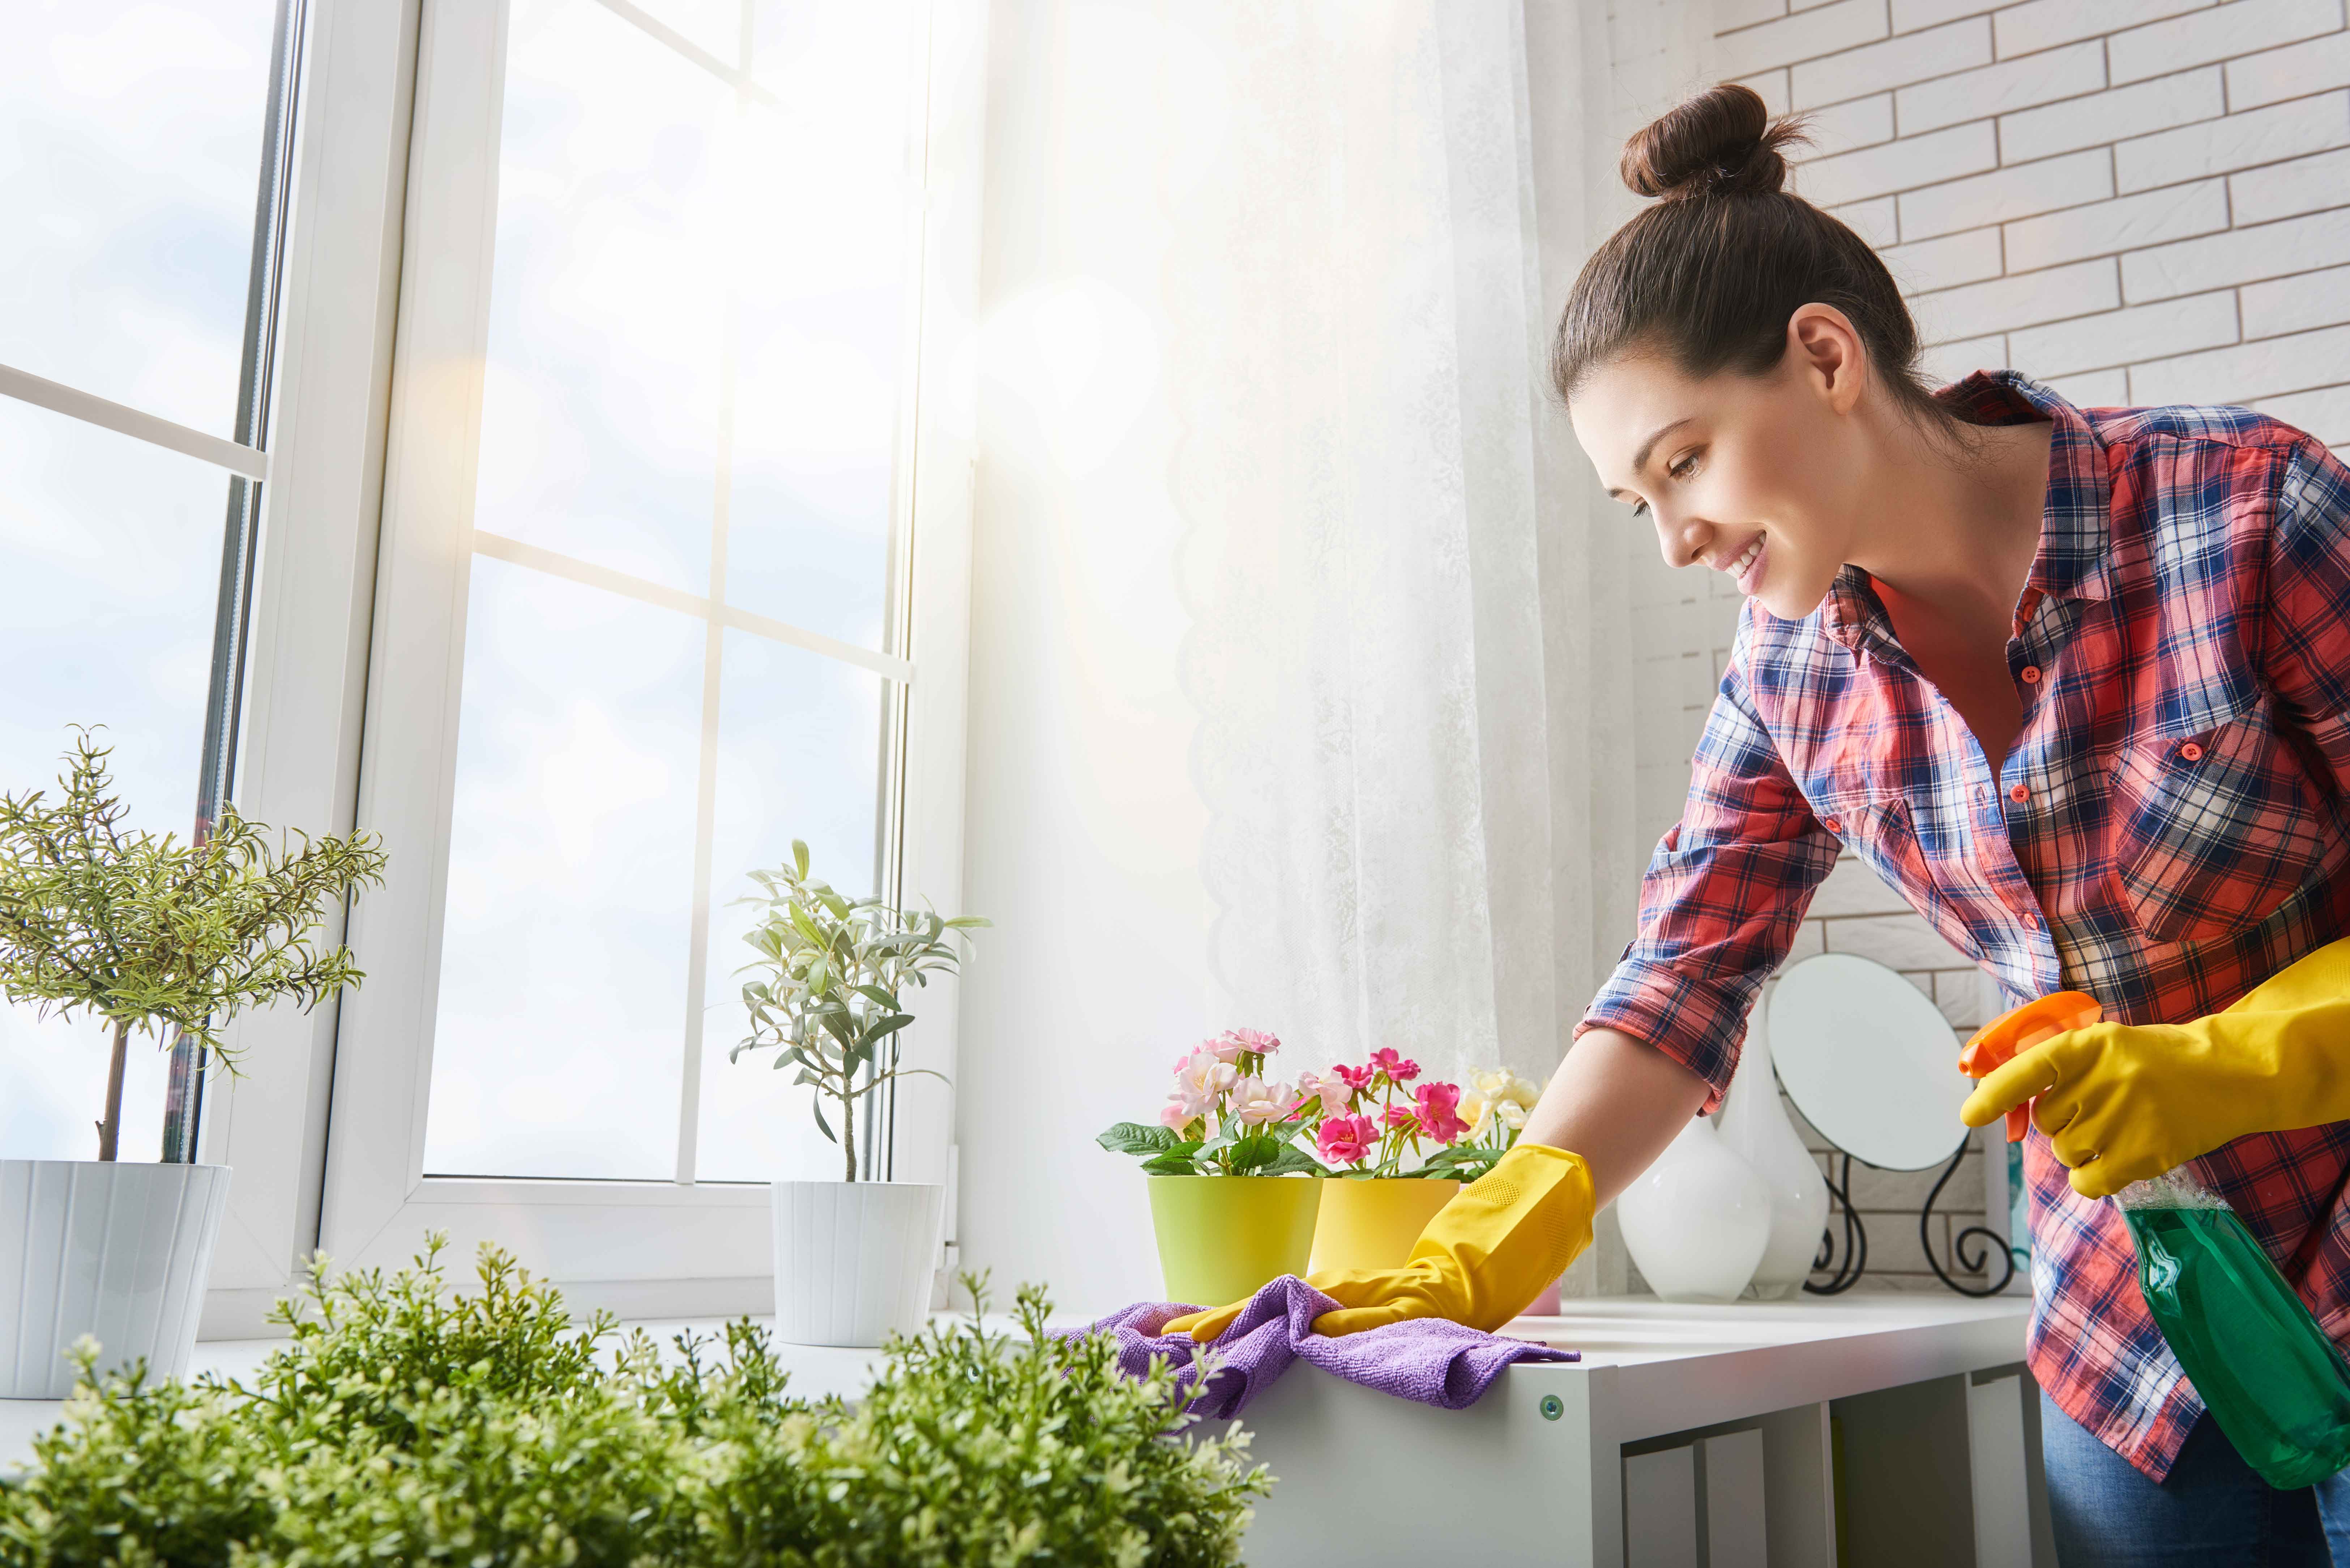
(2166, 831)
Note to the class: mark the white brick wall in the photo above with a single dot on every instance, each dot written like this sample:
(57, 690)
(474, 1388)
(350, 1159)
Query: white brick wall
(2139, 201)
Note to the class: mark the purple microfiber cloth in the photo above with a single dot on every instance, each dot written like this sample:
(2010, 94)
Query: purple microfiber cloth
(1430, 1359)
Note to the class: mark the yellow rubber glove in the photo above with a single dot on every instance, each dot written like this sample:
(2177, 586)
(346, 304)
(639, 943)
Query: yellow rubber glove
(1485, 1256)
(2121, 1102)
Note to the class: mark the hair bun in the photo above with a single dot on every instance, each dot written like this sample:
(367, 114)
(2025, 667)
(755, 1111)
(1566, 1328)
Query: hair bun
(1723, 140)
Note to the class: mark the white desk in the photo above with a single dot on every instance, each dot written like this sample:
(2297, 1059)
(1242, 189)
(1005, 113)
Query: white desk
(1939, 1464)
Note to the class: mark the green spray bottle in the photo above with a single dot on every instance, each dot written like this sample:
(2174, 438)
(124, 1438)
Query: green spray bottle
(2267, 1372)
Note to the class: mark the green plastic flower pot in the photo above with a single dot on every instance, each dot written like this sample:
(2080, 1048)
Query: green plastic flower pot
(1220, 1237)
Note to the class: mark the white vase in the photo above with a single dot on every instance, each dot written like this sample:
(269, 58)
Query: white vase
(1696, 1221)
(116, 1251)
(853, 1259)
(1754, 1123)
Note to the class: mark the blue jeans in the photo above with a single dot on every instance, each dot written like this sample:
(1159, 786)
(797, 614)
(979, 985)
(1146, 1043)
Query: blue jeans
(2213, 1511)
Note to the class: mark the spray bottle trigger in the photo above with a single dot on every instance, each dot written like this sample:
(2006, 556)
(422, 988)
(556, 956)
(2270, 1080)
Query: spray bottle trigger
(1998, 1042)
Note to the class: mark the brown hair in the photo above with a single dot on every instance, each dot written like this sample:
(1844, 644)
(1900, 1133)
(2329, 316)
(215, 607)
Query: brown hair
(1710, 274)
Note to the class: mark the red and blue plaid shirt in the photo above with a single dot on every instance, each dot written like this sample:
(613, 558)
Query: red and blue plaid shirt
(2166, 831)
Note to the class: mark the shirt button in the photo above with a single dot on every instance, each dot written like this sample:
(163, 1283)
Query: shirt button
(2018, 794)
(2030, 921)
(2031, 674)
(2191, 751)
(1981, 794)
(1833, 825)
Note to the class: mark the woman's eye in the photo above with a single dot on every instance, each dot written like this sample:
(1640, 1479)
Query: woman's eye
(1640, 509)
(1684, 467)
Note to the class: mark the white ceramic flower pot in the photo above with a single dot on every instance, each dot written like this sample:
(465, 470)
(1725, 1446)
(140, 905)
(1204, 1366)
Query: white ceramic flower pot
(1755, 1123)
(853, 1259)
(1698, 1219)
(117, 1252)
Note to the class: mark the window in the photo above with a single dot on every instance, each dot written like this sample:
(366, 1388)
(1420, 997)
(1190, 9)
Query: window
(141, 154)
(671, 574)
(679, 597)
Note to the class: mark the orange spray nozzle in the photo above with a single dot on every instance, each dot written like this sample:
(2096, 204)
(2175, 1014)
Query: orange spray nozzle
(1997, 1043)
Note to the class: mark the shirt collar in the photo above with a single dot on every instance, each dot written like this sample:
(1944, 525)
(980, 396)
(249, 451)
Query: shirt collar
(2075, 527)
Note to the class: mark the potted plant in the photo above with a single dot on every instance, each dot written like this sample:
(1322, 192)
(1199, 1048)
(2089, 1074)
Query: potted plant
(1227, 1215)
(160, 937)
(853, 1258)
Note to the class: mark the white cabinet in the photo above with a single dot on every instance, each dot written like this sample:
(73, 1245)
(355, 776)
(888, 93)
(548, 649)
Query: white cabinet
(1710, 1437)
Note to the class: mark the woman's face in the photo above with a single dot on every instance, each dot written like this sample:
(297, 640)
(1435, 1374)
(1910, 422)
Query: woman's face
(1753, 475)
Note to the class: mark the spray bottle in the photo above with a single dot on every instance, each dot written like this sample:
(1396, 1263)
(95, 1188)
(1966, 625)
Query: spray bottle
(2265, 1369)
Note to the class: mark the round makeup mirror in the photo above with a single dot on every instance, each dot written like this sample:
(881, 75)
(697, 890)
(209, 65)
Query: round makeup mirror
(1869, 1061)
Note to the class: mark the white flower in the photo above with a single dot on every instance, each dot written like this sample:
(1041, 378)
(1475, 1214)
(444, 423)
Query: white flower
(1476, 1111)
(1257, 1102)
(1523, 1091)
(1492, 1084)
(1202, 1081)
(1512, 1115)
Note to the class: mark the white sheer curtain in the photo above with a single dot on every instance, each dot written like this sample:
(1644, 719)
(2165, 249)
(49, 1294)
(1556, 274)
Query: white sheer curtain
(1302, 657)
(1411, 713)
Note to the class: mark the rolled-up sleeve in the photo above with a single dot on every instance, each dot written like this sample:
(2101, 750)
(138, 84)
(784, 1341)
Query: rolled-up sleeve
(1721, 899)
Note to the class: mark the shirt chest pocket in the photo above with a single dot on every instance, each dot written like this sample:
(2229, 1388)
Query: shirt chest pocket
(2214, 830)
(1878, 827)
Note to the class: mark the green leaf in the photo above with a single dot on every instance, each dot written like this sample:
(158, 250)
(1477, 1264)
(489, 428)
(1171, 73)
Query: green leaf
(1252, 1153)
(1174, 1162)
(823, 1126)
(1294, 1161)
(1134, 1138)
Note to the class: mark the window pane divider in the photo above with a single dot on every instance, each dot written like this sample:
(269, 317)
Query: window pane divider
(693, 51)
(555, 563)
(135, 423)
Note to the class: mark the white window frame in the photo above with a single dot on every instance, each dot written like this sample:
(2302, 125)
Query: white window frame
(640, 1247)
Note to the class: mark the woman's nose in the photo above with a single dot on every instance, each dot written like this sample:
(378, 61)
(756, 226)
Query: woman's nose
(1682, 539)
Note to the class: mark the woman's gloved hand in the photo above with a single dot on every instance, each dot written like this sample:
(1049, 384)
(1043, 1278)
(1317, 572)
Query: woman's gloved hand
(1485, 1256)
(2121, 1102)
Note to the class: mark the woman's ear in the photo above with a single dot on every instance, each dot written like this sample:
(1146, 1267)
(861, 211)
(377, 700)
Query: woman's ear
(1827, 351)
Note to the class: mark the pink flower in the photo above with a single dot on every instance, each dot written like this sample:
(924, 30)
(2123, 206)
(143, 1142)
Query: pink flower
(1440, 1111)
(1256, 1102)
(1344, 1140)
(1175, 1114)
(1234, 1043)
(1398, 1117)
(1337, 1098)
(1256, 1042)
(1357, 1078)
(1401, 1068)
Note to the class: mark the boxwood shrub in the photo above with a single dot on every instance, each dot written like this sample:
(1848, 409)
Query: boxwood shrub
(406, 1423)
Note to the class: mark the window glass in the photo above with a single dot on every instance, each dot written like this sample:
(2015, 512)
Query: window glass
(130, 144)
(131, 138)
(570, 882)
(696, 389)
(799, 743)
(112, 548)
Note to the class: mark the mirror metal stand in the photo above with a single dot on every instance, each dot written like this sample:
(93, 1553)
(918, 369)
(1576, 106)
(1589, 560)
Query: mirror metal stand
(1986, 1243)
(1846, 1273)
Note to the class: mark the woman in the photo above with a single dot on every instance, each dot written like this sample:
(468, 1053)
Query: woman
(2078, 685)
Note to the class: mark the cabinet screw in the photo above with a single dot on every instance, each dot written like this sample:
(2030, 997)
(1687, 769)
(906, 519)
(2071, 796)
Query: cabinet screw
(1553, 1406)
